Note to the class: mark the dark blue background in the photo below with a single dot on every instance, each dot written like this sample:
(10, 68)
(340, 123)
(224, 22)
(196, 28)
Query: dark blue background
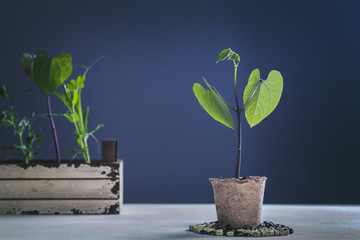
(142, 91)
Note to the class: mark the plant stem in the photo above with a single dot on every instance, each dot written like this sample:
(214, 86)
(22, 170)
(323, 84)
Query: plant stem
(87, 156)
(236, 99)
(251, 96)
(84, 144)
(238, 155)
(22, 147)
(53, 128)
(238, 112)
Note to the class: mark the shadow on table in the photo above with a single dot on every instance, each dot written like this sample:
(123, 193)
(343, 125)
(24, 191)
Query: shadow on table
(187, 234)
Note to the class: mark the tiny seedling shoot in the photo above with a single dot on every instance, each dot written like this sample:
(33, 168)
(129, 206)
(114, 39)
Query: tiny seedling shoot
(260, 99)
(28, 138)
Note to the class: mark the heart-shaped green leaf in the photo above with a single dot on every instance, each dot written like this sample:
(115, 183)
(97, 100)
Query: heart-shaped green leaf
(213, 104)
(4, 92)
(47, 72)
(266, 97)
(27, 61)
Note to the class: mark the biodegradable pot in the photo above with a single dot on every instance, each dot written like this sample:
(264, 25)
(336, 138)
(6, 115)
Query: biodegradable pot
(239, 201)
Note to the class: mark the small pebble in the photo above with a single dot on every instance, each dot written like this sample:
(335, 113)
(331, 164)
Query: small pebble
(219, 232)
(265, 233)
(198, 230)
(230, 234)
(257, 233)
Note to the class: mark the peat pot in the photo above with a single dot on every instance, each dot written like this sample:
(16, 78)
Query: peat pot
(239, 201)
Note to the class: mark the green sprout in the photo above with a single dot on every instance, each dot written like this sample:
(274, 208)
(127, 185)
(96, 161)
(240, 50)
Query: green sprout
(48, 73)
(260, 98)
(22, 130)
(71, 97)
(51, 72)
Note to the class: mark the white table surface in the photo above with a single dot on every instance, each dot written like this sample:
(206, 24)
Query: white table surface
(171, 221)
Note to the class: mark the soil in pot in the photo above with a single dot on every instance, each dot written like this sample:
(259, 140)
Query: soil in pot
(239, 201)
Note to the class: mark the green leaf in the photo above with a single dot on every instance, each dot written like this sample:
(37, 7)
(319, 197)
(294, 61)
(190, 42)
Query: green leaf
(75, 116)
(65, 97)
(228, 54)
(85, 117)
(50, 72)
(235, 57)
(14, 146)
(30, 137)
(27, 61)
(213, 104)
(75, 152)
(75, 98)
(72, 85)
(266, 97)
(80, 81)
(78, 136)
(223, 55)
(97, 142)
(96, 129)
(4, 91)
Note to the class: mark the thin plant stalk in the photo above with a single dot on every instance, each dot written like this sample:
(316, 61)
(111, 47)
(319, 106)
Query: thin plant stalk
(238, 114)
(53, 128)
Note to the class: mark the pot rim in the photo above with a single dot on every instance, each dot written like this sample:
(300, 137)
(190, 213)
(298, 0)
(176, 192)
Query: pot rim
(241, 179)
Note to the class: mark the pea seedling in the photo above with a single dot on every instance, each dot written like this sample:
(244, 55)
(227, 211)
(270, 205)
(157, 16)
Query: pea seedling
(71, 97)
(22, 128)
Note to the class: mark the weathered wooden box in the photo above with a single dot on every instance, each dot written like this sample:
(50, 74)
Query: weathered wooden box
(72, 187)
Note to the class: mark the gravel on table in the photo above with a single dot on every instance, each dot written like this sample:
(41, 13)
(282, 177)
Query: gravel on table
(265, 229)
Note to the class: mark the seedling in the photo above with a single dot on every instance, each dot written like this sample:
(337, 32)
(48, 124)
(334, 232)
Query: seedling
(51, 72)
(22, 129)
(48, 73)
(71, 97)
(260, 99)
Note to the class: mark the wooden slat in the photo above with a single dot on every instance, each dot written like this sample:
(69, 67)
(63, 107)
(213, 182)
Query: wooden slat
(121, 183)
(60, 207)
(61, 171)
(27, 189)
(47, 188)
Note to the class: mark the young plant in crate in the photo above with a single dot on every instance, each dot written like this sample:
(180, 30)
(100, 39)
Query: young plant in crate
(24, 131)
(69, 187)
(51, 72)
(239, 200)
(48, 73)
(71, 97)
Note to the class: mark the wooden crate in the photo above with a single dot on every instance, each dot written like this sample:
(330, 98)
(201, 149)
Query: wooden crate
(69, 188)
(73, 187)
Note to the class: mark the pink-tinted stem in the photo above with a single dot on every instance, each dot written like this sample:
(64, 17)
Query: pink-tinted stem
(53, 128)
